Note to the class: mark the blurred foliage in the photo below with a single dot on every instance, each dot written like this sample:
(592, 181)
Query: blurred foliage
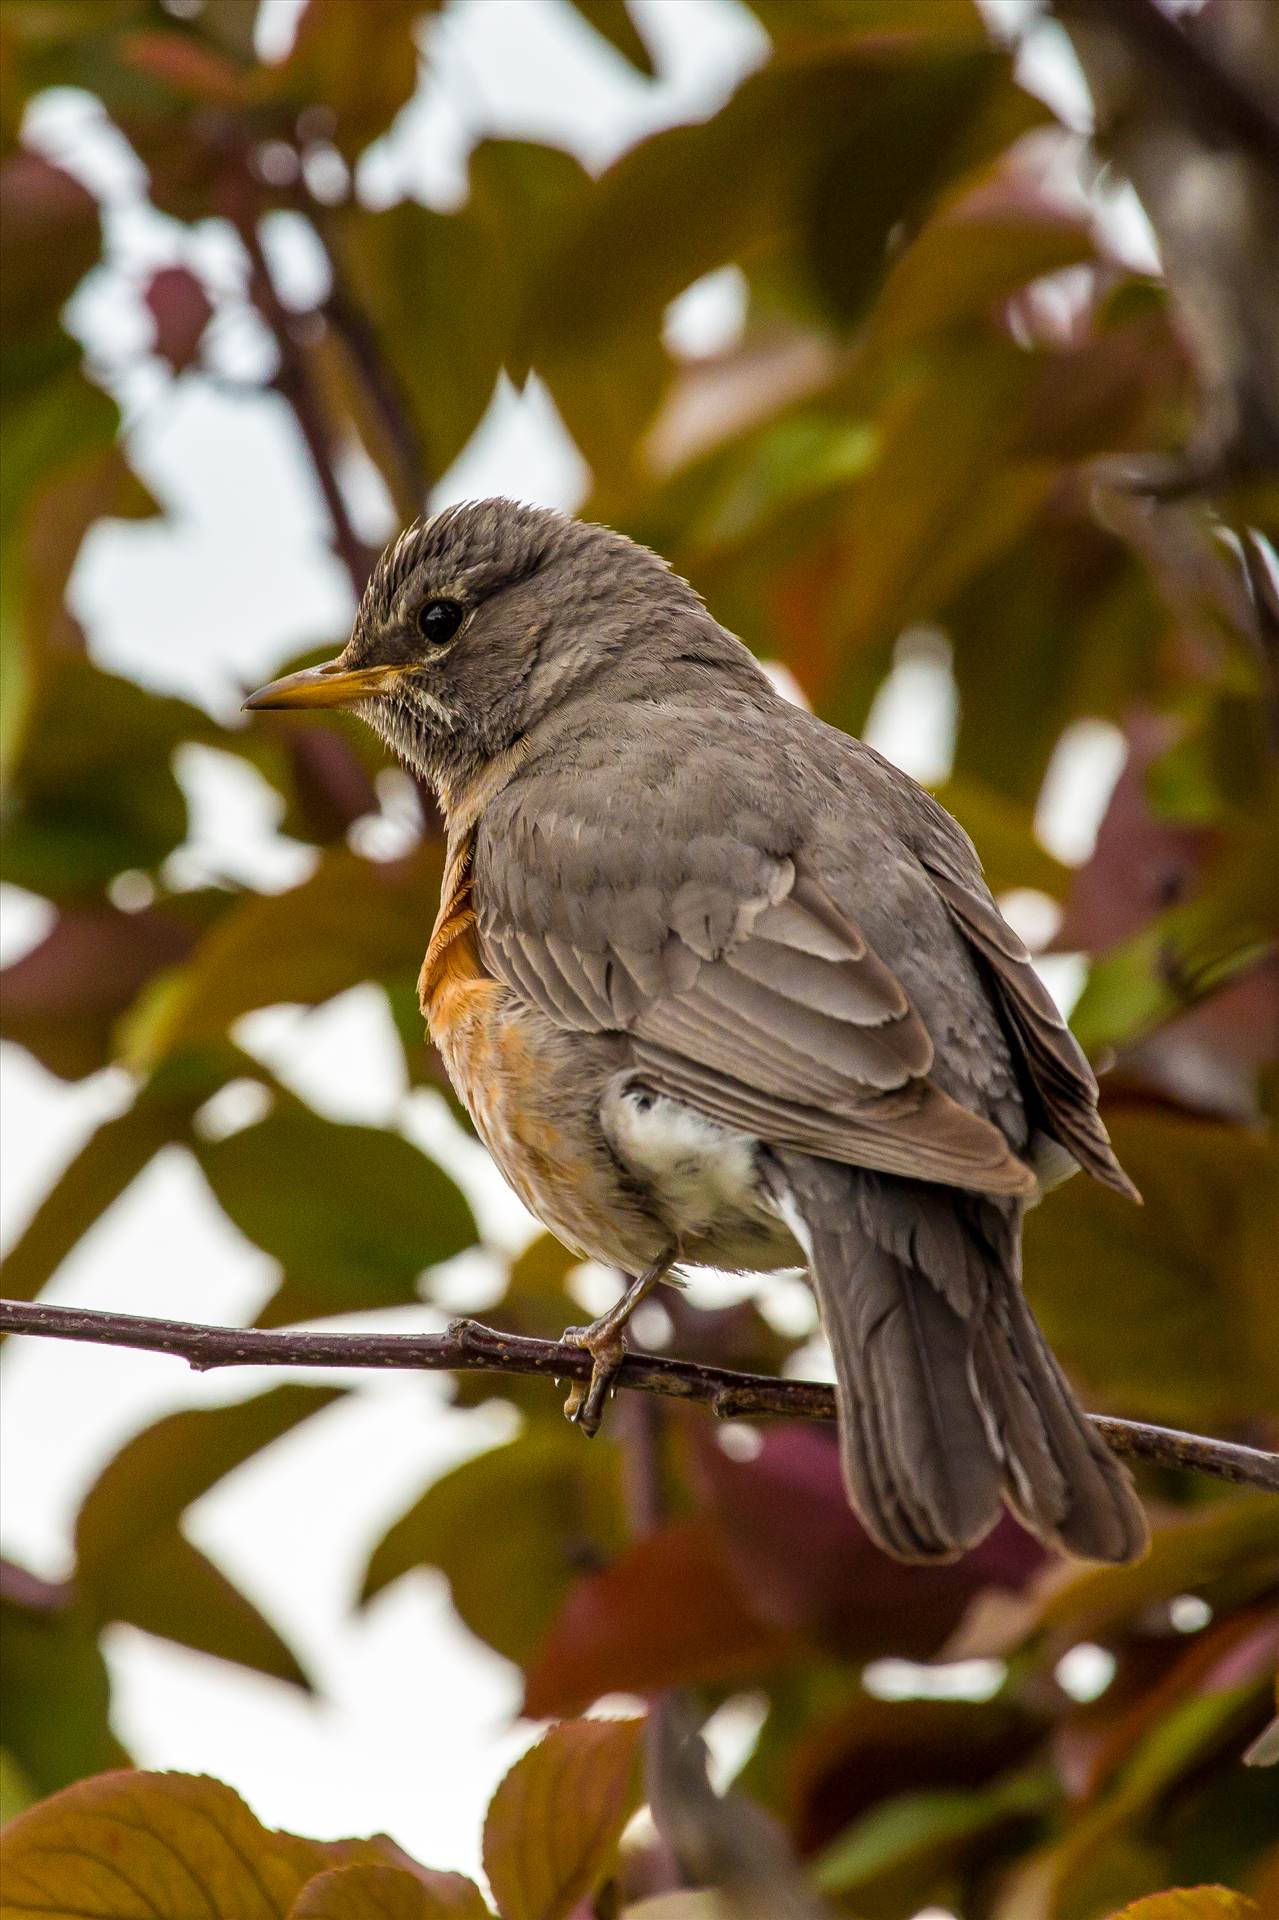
(914, 452)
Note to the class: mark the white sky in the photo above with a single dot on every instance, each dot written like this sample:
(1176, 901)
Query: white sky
(414, 1723)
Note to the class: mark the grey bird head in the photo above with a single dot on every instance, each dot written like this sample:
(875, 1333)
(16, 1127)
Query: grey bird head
(479, 622)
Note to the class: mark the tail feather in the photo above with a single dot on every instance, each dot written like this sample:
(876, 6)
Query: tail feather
(950, 1400)
(1100, 1517)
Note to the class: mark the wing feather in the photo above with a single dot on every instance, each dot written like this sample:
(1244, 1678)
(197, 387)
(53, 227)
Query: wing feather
(792, 1028)
(1054, 1059)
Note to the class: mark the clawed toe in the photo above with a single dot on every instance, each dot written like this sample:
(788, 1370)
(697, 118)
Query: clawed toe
(587, 1399)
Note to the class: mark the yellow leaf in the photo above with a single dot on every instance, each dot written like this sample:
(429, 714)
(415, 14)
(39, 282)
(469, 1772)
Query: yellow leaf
(158, 1846)
(555, 1820)
(389, 1893)
(705, 1905)
(1191, 1903)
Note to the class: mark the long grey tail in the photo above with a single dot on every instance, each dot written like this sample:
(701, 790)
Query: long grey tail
(950, 1400)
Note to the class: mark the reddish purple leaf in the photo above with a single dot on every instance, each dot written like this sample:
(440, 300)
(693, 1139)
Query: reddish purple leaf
(809, 1565)
(61, 1001)
(180, 310)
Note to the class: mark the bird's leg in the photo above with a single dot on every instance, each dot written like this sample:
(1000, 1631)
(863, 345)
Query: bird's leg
(605, 1341)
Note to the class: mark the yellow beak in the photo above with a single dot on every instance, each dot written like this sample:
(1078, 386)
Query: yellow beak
(331, 685)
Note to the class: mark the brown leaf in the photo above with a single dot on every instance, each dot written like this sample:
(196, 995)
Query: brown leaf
(553, 1825)
(389, 1893)
(188, 67)
(52, 236)
(631, 1628)
(160, 1846)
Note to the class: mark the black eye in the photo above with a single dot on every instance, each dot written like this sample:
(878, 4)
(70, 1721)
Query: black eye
(439, 620)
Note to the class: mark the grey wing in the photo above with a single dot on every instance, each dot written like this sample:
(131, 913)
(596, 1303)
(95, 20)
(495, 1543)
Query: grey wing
(1052, 1058)
(760, 1003)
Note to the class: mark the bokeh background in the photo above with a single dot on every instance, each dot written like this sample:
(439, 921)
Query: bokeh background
(850, 309)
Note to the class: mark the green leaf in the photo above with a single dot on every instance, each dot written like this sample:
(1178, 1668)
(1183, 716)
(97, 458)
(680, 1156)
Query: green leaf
(108, 1162)
(917, 1832)
(352, 920)
(54, 1690)
(945, 20)
(1227, 1552)
(560, 1510)
(680, 1906)
(1187, 954)
(550, 1838)
(94, 788)
(1004, 835)
(133, 1561)
(976, 251)
(1166, 1309)
(353, 1214)
(389, 1893)
(422, 276)
(363, 78)
(62, 472)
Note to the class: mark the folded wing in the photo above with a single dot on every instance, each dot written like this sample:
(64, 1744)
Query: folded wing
(792, 1028)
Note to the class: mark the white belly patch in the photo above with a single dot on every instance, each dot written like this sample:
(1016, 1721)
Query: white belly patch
(703, 1178)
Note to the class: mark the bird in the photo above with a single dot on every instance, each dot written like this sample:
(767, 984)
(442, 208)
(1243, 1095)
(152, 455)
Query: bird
(720, 986)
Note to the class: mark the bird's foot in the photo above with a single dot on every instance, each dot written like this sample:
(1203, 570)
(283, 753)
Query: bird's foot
(606, 1344)
(605, 1341)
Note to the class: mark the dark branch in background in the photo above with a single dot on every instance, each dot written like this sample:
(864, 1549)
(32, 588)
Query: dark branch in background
(1221, 102)
(1263, 586)
(1177, 111)
(295, 383)
(641, 1422)
(468, 1347)
(350, 323)
(705, 1838)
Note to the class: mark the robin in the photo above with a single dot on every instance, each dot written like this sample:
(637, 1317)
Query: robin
(720, 986)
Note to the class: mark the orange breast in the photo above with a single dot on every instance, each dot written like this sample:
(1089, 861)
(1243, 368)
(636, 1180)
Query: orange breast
(512, 1070)
(461, 1001)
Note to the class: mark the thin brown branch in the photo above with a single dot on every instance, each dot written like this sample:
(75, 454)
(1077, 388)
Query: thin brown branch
(382, 385)
(296, 385)
(468, 1347)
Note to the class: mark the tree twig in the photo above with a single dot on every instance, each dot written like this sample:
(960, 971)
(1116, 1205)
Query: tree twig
(297, 387)
(468, 1347)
